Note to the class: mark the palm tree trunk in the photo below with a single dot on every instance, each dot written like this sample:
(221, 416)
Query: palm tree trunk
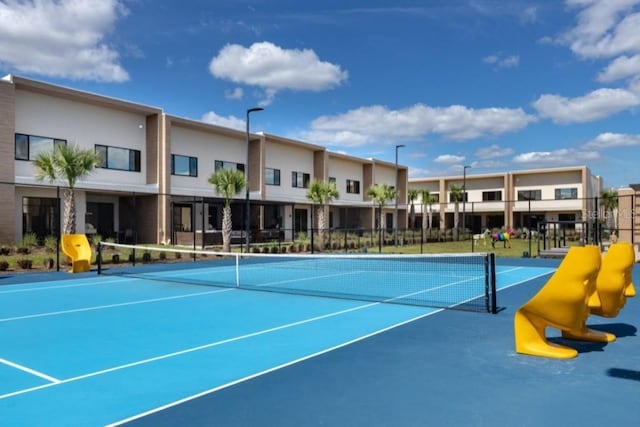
(69, 223)
(226, 229)
(456, 213)
(321, 227)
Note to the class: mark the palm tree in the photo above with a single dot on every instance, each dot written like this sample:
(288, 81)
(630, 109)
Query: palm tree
(67, 163)
(228, 183)
(412, 195)
(425, 197)
(457, 194)
(322, 193)
(609, 202)
(381, 194)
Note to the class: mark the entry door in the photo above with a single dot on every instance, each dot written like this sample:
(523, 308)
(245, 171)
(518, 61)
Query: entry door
(300, 220)
(389, 221)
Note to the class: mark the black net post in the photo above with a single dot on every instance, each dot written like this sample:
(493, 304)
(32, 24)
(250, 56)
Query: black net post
(99, 257)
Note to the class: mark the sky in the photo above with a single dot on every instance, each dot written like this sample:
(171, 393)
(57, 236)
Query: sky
(491, 84)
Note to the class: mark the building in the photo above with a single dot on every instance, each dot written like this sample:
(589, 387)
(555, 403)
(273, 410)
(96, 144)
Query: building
(626, 218)
(152, 183)
(511, 200)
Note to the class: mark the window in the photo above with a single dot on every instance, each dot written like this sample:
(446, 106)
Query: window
(463, 197)
(184, 165)
(353, 186)
(221, 164)
(566, 193)
(272, 176)
(300, 179)
(524, 195)
(39, 216)
(490, 196)
(118, 158)
(29, 146)
(332, 179)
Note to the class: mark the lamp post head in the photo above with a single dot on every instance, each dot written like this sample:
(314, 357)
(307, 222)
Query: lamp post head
(251, 110)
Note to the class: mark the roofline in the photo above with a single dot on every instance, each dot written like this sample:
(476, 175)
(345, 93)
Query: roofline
(63, 92)
(501, 174)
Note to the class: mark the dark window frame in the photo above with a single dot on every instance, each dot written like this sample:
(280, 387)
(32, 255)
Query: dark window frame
(24, 140)
(134, 158)
(219, 164)
(559, 193)
(492, 196)
(193, 165)
(525, 195)
(305, 177)
(276, 177)
(353, 186)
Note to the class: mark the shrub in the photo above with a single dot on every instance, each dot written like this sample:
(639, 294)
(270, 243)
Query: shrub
(25, 263)
(146, 257)
(115, 259)
(29, 240)
(49, 263)
(4, 265)
(5, 250)
(50, 243)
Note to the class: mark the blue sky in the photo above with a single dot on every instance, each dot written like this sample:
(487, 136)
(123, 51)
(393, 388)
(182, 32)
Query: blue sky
(496, 85)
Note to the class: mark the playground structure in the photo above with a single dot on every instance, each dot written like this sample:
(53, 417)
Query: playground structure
(585, 283)
(78, 251)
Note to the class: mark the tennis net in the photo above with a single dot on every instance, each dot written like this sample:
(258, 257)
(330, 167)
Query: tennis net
(458, 281)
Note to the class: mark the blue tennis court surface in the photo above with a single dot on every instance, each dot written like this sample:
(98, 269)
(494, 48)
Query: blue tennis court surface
(107, 350)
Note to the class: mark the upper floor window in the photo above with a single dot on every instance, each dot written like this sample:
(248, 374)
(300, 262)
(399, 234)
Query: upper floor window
(463, 197)
(272, 176)
(222, 164)
(332, 179)
(490, 196)
(524, 195)
(566, 193)
(184, 165)
(118, 158)
(27, 147)
(353, 186)
(300, 179)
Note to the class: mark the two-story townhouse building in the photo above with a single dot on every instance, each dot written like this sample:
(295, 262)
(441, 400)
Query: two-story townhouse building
(152, 182)
(514, 199)
(37, 116)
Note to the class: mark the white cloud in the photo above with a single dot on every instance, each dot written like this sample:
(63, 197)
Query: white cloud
(274, 69)
(621, 68)
(63, 38)
(502, 62)
(493, 152)
(596, 105)
(449, 159)
(229, 122)
(378, 123)
(605, 28)
(563, 156)
(611, 140)
(236, 93)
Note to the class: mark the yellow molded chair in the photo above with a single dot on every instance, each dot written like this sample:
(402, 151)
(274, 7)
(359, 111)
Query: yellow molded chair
(76, 247)
(561, 303)
(614, 283)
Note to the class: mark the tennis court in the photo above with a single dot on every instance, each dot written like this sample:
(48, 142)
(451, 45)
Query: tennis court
(113, 350)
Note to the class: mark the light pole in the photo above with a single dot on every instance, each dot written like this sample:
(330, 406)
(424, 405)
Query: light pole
(464, 197)
(395, 215)
(246, 177)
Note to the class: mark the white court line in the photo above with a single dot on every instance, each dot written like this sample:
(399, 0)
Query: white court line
(122, 304)
(190, 350)
(29, 371)
(45, 288)
(266, 371)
